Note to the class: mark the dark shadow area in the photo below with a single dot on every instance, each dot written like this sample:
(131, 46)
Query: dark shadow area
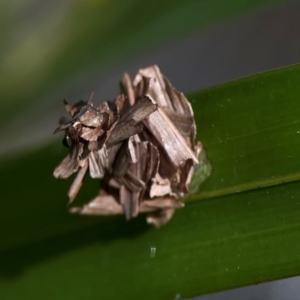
(15, 260)
(34, 215)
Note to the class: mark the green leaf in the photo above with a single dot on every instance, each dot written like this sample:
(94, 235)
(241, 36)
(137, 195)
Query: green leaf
(251, 130)
(230, 240)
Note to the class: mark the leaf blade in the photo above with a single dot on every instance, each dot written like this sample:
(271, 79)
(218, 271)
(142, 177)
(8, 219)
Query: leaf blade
(214, 244)
(251, 130)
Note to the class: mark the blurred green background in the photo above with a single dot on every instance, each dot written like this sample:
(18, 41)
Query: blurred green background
(56, 49)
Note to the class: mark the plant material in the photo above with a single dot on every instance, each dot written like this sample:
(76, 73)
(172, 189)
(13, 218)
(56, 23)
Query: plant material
(142, 147)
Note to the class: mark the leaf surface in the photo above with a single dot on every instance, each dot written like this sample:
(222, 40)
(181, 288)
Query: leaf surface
(250, 130)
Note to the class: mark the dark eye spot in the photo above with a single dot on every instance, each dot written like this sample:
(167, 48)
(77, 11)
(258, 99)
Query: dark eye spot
(67, 141)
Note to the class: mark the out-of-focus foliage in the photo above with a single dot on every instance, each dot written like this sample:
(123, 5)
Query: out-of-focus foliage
(49, 44)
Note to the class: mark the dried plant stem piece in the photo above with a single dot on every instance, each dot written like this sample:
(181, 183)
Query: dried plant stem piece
(77, 183)
(123, 131)
(169, 138)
